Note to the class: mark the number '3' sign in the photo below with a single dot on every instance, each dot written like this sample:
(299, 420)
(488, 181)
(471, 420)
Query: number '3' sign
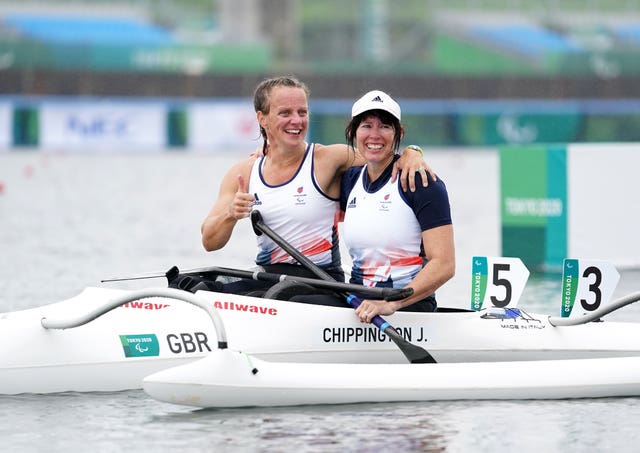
(586, 286)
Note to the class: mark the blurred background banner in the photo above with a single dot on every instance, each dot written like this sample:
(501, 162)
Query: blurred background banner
(221, 124)
(95, 126)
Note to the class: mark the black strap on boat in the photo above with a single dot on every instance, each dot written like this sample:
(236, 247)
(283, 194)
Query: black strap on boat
(212, 272)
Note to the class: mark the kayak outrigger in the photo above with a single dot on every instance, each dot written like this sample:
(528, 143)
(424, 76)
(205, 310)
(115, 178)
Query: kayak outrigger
(115, 348)
(265, 351)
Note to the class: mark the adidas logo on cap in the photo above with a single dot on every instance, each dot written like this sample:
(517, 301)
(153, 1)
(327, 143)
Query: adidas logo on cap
(376, 100)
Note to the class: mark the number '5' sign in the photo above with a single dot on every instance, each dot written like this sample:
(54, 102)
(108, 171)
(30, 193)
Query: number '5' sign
(497, 281)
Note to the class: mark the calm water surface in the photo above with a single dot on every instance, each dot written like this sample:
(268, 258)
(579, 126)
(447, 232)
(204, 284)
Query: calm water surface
(68, 221)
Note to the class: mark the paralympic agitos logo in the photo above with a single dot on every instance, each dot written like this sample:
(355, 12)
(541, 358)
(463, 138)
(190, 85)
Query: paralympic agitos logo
(145, 345)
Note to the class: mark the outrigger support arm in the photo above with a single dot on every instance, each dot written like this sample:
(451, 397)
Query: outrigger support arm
(171, 293)
(596, 314)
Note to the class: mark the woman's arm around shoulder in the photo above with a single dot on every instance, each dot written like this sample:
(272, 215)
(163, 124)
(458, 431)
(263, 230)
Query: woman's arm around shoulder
(330, 163)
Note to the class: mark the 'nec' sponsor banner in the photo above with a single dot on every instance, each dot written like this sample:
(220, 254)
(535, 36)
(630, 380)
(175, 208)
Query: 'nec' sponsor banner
(6, 125)
(110, 126)
(223, 126)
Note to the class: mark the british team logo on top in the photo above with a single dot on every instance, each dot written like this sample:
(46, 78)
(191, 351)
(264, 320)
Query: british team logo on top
(385, 203)
(300, 197)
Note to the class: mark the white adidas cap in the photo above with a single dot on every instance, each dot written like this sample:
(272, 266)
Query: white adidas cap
(376, 100)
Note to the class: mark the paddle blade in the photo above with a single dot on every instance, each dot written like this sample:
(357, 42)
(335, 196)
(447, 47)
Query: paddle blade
(415, 354)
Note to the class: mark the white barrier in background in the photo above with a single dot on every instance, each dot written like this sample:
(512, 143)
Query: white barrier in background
(222, 126)
(576, 200)
(103, 126)
(604, 202)
(6, 125)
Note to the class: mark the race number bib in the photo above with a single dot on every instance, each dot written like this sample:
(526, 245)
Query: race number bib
(497, 281)
(586, 286)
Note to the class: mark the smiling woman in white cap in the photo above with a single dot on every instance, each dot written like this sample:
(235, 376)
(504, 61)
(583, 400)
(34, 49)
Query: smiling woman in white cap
(396, 238)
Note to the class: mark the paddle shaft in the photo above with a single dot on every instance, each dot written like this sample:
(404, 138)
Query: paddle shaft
(259, 227)
(413, 353)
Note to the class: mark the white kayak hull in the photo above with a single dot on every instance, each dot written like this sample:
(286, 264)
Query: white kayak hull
(232, 379)
(117, 350)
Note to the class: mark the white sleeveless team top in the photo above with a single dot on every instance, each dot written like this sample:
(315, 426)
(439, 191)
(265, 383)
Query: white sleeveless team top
(382, 234)
(298, 211)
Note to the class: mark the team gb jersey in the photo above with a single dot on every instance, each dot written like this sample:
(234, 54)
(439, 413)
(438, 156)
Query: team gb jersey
(298, 211)
(383, 236)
